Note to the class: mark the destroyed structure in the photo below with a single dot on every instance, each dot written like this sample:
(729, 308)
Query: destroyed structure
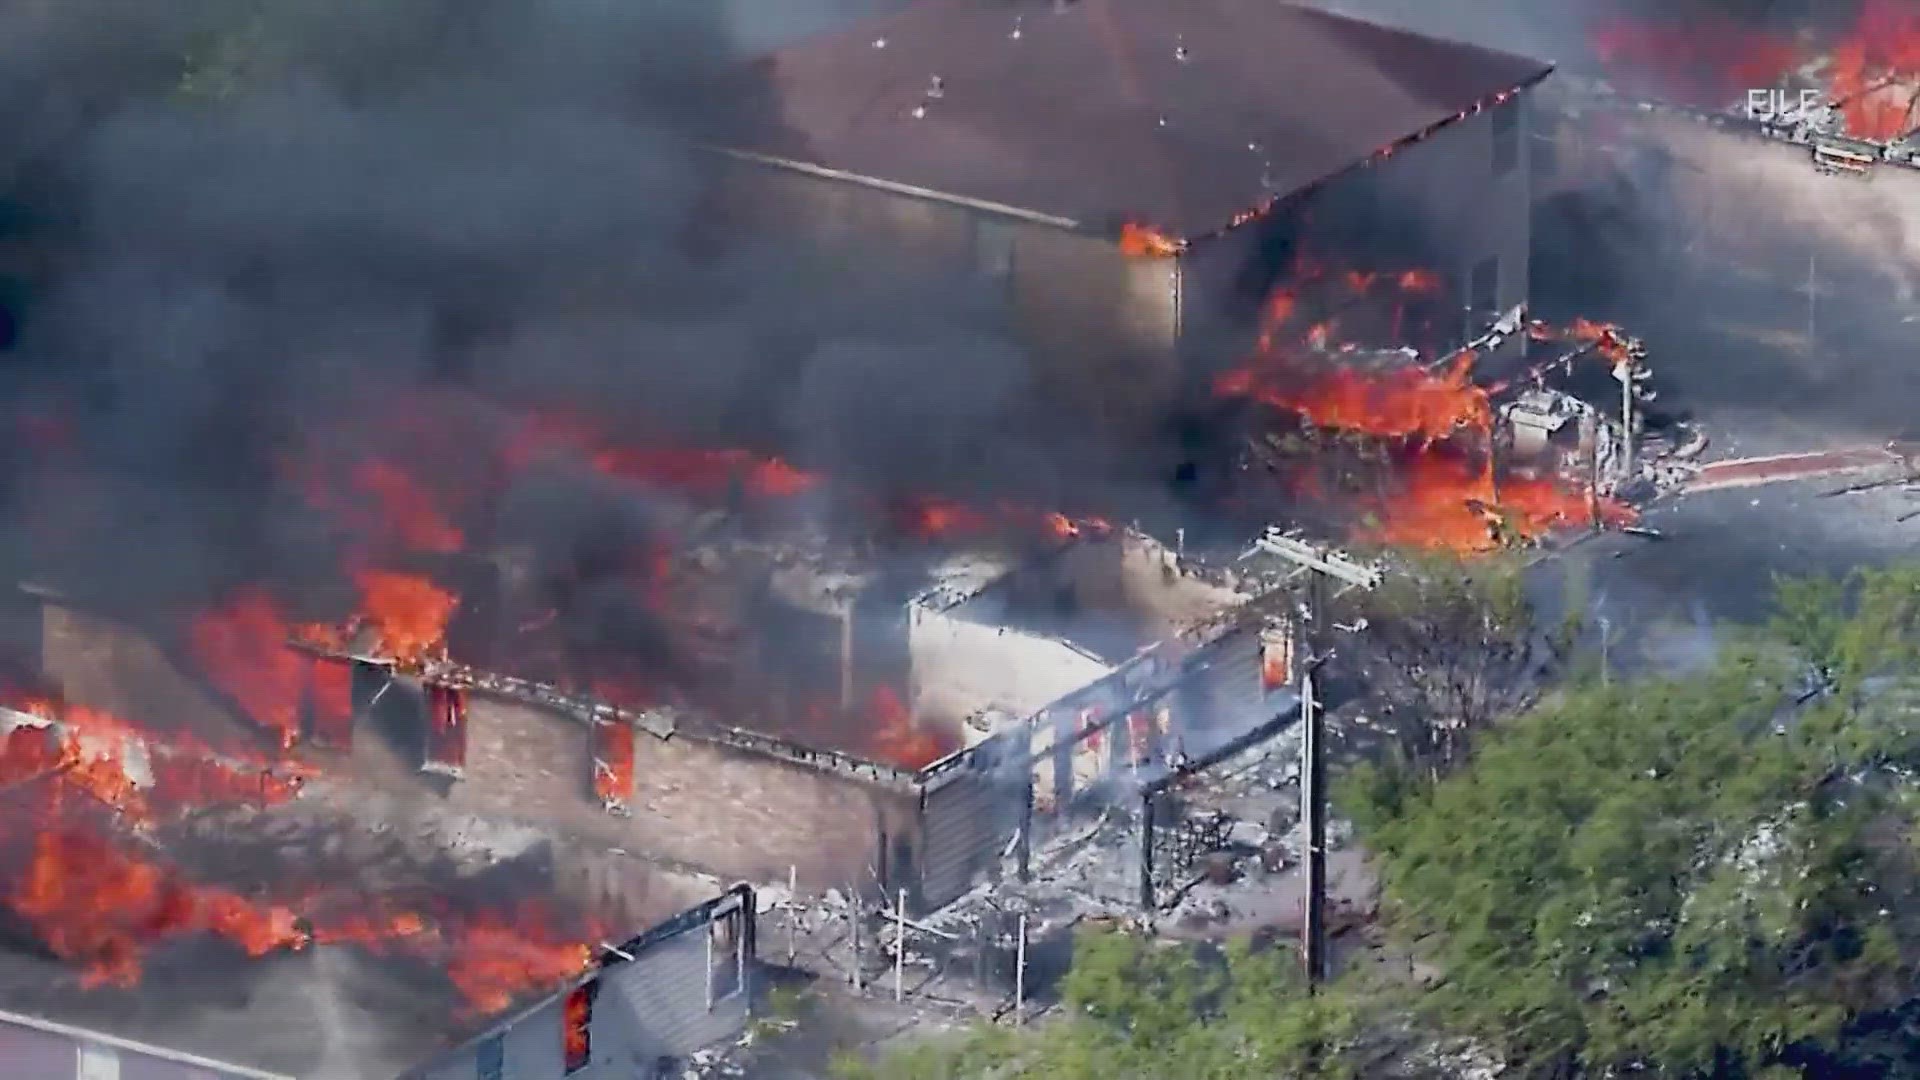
(1000, 670)
(386, 965)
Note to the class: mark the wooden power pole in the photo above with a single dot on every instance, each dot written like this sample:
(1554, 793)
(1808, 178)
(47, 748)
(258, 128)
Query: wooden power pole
(1313, 809)
(1320, 565)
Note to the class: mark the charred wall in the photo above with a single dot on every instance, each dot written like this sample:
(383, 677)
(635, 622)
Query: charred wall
(1457, 202)
(725, 809)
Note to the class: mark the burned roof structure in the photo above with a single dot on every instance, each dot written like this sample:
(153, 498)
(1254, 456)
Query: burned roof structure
(1181, 115)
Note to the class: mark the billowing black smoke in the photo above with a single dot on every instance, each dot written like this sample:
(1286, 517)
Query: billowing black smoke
(252, 222)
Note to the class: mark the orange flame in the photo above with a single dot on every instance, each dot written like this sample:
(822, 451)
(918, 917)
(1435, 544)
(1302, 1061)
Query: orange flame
(897, 739)
(1873, 76)
(494, 959)
(613, 762)
(1407, 402)
(1706, 63)
(409, 612)
(242, 648)
(1876, 71)
(99, 906)
(1145, 242)
(1441, 502)
(707, 472)
(407, 507)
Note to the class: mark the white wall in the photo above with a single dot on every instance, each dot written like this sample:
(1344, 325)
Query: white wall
(961, 667)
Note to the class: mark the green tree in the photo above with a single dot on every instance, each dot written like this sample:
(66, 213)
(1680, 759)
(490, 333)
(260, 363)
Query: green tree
(1135, 1009)
(1701, 875)
(1449, 649)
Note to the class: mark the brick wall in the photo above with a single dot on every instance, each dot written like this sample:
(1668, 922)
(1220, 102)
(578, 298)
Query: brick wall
(732, 812)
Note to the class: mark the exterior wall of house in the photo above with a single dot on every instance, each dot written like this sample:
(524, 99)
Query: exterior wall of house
(689, 985)
(1099, 326)
(964, 664)
(39, 1050)
(1457, 202)
(730, 810)
(1051, 627)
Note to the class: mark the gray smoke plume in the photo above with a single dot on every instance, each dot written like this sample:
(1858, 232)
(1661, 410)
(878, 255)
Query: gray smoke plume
(259, 218)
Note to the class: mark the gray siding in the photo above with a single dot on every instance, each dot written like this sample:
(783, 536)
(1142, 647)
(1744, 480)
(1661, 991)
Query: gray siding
(29, 1052)
(1222, 698)
(970, 817)
(670, 1000)
(662, 1000)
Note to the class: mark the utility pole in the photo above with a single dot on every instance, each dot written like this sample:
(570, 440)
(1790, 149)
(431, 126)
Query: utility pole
(1313, 782)
(1320, 564)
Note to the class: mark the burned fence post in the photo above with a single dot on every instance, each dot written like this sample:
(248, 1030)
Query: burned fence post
(1024, 839)
(1147, 899)
(1020, 974)
(446, 749)
(900, 947)
(793, 914)
(853, 924)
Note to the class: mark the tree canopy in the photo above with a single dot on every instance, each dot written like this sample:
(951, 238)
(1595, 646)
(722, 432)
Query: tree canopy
(1703, 875)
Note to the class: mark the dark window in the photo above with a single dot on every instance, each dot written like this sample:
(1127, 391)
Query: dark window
(576, 1018)
(1483, 298)
(1506, 138)
(492, 1059)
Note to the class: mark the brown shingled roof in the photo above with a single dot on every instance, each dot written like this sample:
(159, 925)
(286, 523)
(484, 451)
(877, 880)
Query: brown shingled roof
(1180, 114)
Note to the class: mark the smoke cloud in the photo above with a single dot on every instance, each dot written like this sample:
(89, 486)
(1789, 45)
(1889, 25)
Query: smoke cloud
(252, 222)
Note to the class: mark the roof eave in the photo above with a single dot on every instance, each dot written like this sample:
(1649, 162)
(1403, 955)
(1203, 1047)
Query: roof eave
(1383, 153)
(825, 172)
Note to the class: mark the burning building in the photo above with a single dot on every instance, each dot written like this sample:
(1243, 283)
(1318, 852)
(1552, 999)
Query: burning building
(1132, 178)
(933, 697)
(512, 593)
(638, 1008)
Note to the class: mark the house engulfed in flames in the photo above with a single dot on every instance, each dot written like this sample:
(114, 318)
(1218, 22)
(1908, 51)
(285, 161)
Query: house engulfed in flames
(1133, 178)
(857, 744)
(902, 711)
(640, 1008)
